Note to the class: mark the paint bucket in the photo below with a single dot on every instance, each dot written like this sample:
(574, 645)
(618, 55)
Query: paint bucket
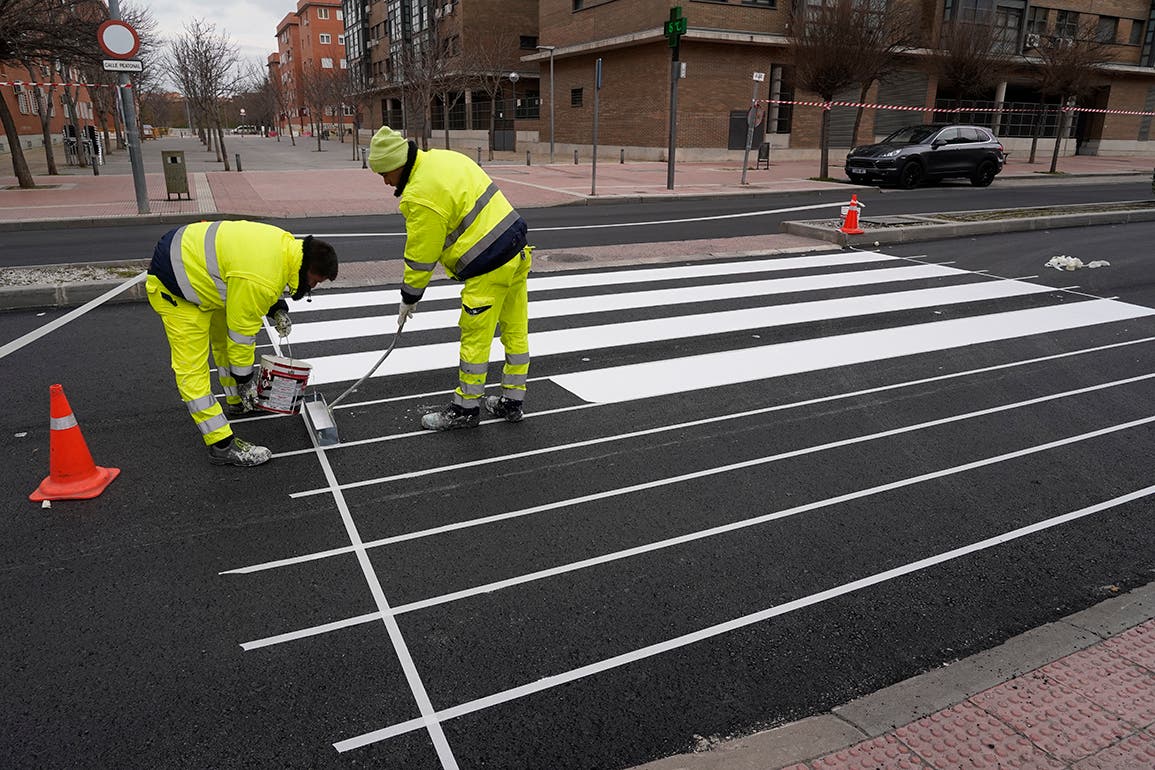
(281, 384)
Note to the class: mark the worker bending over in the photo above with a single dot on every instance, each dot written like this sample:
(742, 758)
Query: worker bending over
(211, 283)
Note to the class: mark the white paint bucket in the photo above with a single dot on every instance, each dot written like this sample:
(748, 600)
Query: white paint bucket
(281, 384)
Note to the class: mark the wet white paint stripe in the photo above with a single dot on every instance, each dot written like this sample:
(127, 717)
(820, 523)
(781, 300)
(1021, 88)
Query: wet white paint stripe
(692, 536)
(669, 645)
(384, 612)
(346, 300)
(350, 328)
(712, 370)
(352, 366)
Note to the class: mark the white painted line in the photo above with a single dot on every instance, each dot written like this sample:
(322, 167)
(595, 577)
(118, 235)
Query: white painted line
(718, 629)
(713, 370)
(385, 614)
(51, 326)
(639, 223)
(443, 469)
(351, 366)
(350, 328)
(376, 298)
(686, 538)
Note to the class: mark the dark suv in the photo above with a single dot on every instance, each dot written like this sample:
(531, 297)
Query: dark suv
(915, 154)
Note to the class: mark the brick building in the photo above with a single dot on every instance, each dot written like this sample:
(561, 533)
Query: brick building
(310, 48)
(22, 99)
(725, 44)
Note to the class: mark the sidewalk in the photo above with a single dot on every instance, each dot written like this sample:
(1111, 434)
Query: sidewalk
(285, 181)
(1078, 693)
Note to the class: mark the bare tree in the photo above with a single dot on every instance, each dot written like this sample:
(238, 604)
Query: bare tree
(967, 58)
(887, 36)
(485, 62)
(44, 30)
(1066, 69)
(203, 64)
(44, 105)
(828, 40)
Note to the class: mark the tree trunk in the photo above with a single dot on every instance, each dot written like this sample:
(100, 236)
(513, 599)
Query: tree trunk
(289, 122)
(221, 144)
(70, 99)
(858, 114)
(445, 116)
(824, 144)
(1059, 131)
(19, 162)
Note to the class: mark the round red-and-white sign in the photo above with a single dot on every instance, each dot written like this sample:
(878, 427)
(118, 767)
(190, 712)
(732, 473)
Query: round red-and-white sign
(118, 39)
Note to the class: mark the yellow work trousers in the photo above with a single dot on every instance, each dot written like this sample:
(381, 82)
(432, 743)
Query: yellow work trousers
(191, 333)
(498, 296)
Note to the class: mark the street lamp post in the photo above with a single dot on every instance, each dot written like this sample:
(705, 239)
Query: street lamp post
(513, 78)
(550, 48)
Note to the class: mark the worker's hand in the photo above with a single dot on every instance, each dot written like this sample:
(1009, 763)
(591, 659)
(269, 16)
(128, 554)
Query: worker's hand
(247, 390)
(404, 313)
(282, 323)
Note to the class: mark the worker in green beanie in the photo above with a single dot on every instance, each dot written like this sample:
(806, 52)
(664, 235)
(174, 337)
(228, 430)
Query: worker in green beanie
(456, 216)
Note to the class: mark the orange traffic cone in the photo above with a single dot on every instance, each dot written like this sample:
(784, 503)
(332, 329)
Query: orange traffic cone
(72, 474)
(850, 224)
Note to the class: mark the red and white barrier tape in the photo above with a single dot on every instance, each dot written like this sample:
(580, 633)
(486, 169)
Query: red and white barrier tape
(86, 85)
(828, 105)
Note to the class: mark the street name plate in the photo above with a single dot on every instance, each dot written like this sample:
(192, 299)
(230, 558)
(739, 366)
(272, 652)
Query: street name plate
(123, 65)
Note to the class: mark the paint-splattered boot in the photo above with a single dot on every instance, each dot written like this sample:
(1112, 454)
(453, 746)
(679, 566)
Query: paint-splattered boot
(452, 417)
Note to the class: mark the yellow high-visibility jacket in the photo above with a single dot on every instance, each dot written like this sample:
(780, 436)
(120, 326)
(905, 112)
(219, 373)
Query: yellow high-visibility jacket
(241, 267)
(455, 215)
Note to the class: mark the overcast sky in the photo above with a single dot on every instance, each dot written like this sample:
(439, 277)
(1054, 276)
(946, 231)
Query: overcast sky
(251, 24)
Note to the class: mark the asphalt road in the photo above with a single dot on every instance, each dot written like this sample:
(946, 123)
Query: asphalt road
(823, 491)
(561, 227)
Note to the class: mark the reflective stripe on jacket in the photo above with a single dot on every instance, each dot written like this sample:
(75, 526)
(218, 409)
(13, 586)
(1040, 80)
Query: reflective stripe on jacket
(242, 267)
(455, 215)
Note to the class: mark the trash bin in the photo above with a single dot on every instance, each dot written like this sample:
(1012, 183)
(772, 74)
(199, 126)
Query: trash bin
(763, 156)
(175, 174)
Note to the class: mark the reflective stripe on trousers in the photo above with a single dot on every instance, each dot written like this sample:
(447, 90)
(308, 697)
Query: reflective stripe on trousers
(504, 295)
(191, 331)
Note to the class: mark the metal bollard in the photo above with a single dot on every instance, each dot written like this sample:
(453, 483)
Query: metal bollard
(622, 158)
(238, 157)
(575, 157)
(479, 156)
(527, 158)
(364, 158)
(1153, 182)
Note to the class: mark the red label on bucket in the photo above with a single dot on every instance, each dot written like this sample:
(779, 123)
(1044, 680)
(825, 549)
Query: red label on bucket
(281, 384)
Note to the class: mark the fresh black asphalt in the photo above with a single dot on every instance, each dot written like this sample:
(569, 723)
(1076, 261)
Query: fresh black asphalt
(123, 641)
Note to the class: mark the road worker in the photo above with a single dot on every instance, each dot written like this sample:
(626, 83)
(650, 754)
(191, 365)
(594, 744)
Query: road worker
(211, 283)
(456, 216)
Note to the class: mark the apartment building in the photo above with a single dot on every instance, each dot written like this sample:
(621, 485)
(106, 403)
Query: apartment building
(310, 46)
(734, 50)
(23, 92)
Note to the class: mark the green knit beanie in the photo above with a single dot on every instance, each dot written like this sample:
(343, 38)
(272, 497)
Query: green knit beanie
(388, 151)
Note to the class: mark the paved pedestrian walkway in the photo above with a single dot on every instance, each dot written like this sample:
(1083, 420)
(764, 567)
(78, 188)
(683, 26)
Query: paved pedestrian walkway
(280, 179)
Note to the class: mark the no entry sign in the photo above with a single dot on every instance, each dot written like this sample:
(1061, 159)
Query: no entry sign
(118, 39)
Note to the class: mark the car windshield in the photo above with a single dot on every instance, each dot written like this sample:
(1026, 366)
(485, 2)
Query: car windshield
(912, 135)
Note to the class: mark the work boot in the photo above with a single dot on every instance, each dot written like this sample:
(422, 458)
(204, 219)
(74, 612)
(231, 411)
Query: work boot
(240, 453)
(451, 417)
(504, 407)
(233, 411)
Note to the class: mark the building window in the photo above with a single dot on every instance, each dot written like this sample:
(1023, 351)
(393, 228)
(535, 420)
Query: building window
(577, 5)
(1107, 29)
(344, 64)
(761, 3)
(1036, 20)
(326, 38)
(528, 42)
(575, 97)
(326, 63)
(340, 40)
(340, 15)
(322, 13)
(1136, 32)
(1067, 24)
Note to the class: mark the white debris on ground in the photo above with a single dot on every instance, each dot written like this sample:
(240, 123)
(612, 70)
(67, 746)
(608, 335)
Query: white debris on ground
(1063, 262)
(55, 275)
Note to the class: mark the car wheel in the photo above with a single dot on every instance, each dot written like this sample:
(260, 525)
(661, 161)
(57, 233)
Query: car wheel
(984, 174)
(910, 175)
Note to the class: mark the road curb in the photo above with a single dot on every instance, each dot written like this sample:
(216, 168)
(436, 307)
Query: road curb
(936, 229)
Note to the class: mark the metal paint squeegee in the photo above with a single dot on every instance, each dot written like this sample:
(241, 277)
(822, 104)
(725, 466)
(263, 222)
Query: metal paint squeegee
(320, 413)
